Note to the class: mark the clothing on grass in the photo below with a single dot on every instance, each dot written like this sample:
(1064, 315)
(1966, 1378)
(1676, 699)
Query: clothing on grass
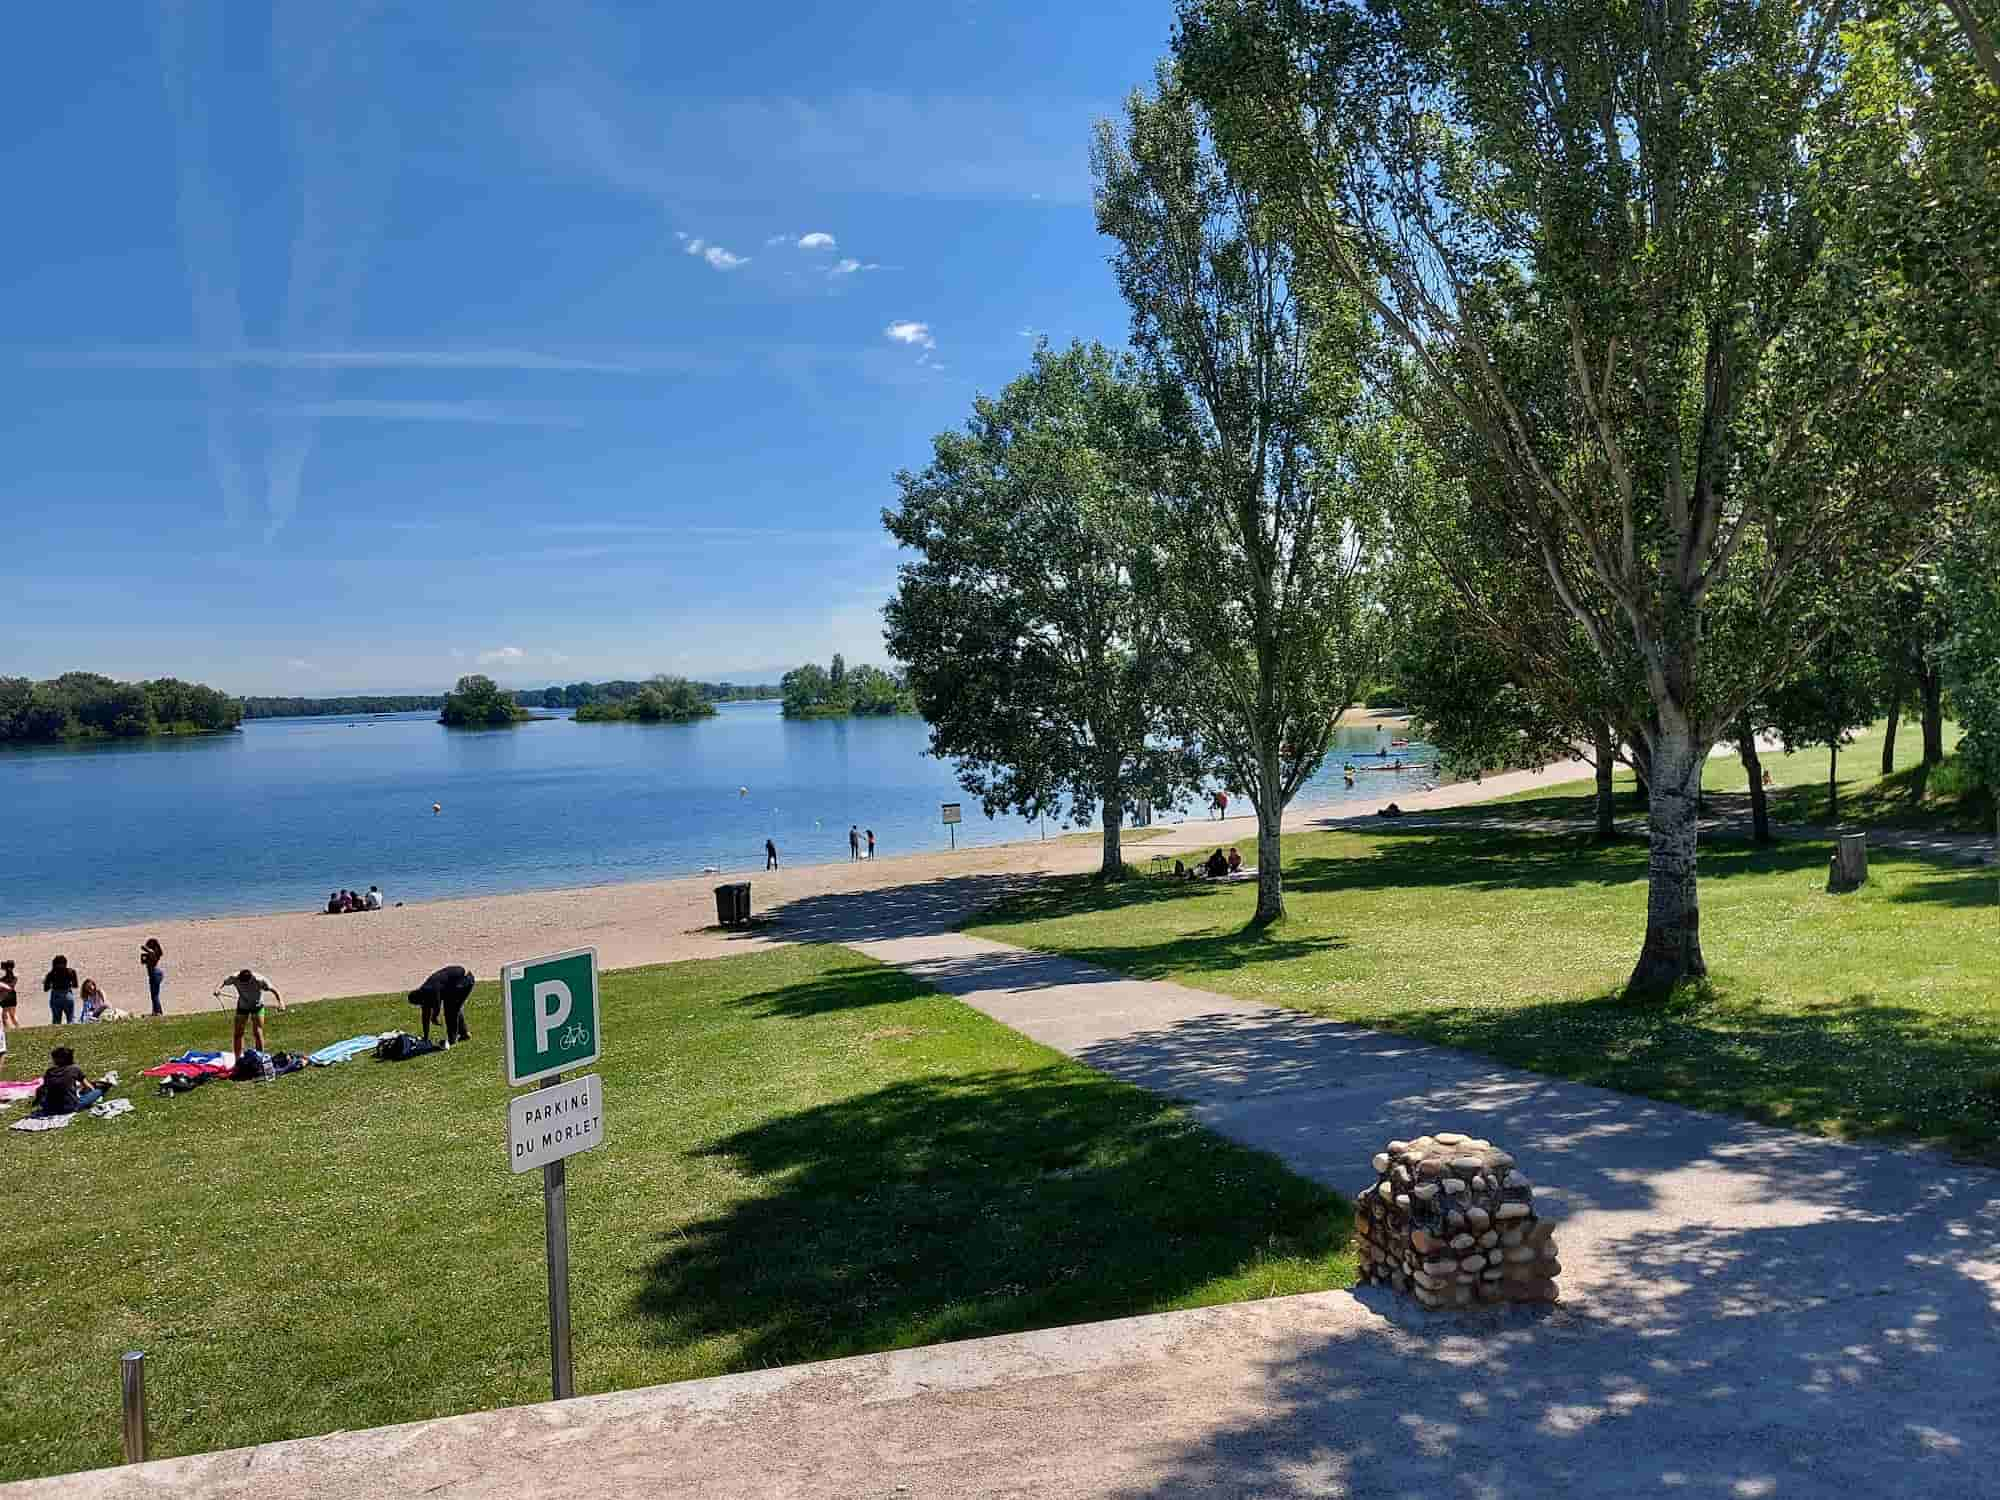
(42, 1122)
(111, 1109)
(340, 1052)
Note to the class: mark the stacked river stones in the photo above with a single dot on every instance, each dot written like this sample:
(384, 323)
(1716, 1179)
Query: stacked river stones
(1449, 1221)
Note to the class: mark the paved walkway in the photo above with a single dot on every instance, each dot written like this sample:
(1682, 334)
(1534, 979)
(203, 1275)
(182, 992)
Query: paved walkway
(1748, 1311)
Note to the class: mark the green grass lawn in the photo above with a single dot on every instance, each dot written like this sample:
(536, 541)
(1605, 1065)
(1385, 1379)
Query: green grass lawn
(806, 1155)
(1872, 1012)
(1909, 797)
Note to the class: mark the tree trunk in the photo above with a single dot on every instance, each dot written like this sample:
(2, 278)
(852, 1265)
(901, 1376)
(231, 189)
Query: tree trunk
(1642, 774)
(1833, 783)
(1604, 748)
(1889, 740)
(1760, 805)
(1672, 951)
(1930, 684)
(1270, 852)
(1112, 866)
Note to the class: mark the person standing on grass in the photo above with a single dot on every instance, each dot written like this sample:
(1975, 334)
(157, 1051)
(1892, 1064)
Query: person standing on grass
(60, 985)
(251, 988)
(770, 854)
(9, 996)
(150, 954)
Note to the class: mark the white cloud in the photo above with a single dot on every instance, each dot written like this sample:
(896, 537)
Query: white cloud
(819, 239)
(504, 656)
(916, 335)
(776, 239)
(298, 664)
(848, 266)
(715, 255)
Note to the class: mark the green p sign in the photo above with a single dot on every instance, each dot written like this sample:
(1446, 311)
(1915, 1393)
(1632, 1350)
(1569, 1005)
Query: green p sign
(551, 1014)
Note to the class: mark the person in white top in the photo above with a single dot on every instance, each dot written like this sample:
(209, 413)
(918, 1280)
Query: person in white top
(251, 988)
(374, 901)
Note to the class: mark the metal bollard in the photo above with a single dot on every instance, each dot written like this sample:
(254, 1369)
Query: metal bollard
(132, 1373)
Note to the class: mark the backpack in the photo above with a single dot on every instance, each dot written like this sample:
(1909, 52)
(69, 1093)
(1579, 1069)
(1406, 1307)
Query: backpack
(400, 1046)
(253, 1067)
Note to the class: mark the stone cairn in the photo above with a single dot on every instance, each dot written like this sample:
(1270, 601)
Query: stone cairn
(1450, 1222)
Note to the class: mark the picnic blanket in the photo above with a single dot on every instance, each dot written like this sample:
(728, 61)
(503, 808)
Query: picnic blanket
(340, 1052)
(193, 1065)
(13, 1092)
(42, 1122)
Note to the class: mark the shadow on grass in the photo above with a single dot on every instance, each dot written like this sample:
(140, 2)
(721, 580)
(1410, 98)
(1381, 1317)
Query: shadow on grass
(954, 1206)
(1978, 886)
(1853, 1067)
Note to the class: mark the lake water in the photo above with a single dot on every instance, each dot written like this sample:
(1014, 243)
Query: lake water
(274, 817)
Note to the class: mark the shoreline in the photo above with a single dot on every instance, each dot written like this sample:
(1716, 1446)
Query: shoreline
(313, 956)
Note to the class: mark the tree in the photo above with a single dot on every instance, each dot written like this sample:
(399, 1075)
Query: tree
(1033, 646)
(806, 689)
(1837, 691)
(1601, 235)
(477, 702)
(1267, 534)
(836, 674)
(1972, 654)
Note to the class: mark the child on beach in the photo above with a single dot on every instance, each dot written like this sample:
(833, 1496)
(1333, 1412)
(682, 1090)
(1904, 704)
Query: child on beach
(251, 988)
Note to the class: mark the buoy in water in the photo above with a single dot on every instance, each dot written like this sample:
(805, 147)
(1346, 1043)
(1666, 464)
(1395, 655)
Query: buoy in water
(437, 807)
(743, 791)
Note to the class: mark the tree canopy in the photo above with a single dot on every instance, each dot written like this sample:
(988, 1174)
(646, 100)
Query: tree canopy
(86, 705)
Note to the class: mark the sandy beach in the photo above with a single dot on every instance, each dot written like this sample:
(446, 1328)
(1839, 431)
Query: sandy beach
(312, 956)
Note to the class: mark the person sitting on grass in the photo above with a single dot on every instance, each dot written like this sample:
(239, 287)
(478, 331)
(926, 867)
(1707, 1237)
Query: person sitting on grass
(1180, 871)
(1235, 860)
(64, 1089)
(1218, 865)
(251, 988)
(95, 1006)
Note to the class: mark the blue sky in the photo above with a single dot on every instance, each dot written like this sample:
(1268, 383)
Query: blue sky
(361, 345)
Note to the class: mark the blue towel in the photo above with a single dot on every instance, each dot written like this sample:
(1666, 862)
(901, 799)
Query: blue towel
(339, 1052)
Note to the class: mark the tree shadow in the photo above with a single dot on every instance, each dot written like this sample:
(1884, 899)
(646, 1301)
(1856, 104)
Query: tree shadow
(914, 909)
(948, 1207)
(1979, 886)
(1739, 1300)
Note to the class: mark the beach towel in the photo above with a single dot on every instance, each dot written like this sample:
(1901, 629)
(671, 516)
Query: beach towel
(340, 1052)
(12, 1092)
(42, 1122)
(179, 1069)
(111, 1109)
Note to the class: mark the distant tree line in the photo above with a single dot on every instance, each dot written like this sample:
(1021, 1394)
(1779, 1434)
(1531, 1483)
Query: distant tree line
(659, 700)
(586, 694)
(314, 708)
(86, 706)
(836, 690)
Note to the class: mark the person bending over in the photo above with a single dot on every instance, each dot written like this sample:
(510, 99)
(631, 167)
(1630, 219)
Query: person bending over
(445, 993)
(251, 988)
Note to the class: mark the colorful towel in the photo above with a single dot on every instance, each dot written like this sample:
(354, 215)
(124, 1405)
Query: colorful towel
(12, 1092)
(42, 1122)
(340, 1052)
(187, 1070)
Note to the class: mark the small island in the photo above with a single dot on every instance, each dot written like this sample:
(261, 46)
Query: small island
(659, 700)
(81, 706)
(836, 691)
(478, 702)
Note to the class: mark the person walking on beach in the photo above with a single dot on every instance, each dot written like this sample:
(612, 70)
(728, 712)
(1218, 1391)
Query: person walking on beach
(59, 984)
(871, 843)
(853, 841)
(770, 854)
(251, 988)
(9, 996)
(150, 954)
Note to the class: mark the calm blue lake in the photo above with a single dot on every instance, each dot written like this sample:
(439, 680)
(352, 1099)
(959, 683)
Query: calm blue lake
(274, 817)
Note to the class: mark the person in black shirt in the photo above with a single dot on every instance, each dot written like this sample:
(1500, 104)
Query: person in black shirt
(64, 1089)
(445, 993)
(1218, 865)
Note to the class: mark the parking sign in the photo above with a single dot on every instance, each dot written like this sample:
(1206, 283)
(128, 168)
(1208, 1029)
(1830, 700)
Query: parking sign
(551, 1014)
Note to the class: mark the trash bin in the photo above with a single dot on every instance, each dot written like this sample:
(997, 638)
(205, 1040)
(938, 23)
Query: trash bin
(732, 903)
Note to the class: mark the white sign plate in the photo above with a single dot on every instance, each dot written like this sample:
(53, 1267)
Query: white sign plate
(550, 1124)
(951, 813)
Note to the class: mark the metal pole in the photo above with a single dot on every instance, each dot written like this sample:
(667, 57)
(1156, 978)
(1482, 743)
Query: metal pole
(555, 1227)
(132, 1377)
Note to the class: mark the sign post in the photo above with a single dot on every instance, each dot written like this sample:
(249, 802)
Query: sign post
(551, 1015)
(951, 819)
